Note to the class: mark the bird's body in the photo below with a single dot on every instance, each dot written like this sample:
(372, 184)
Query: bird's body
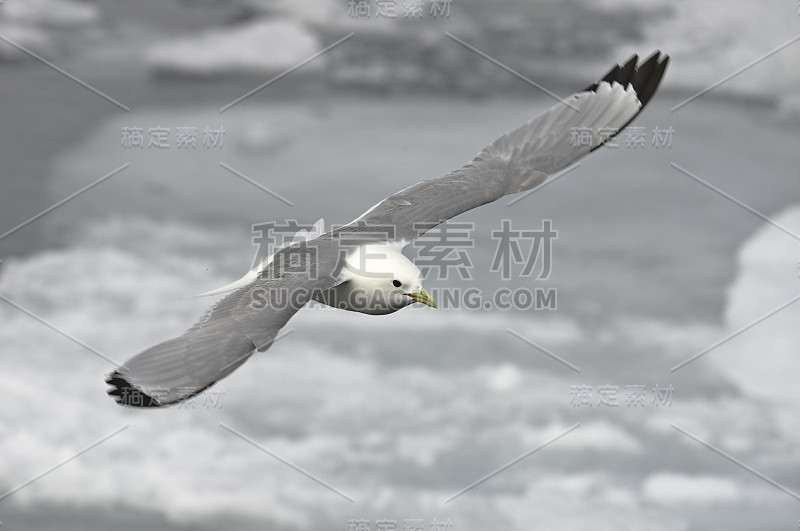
(360, 266)
(377, 279)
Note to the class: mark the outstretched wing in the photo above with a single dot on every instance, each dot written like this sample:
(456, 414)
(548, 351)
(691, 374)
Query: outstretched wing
(247, 320)
(522, 159)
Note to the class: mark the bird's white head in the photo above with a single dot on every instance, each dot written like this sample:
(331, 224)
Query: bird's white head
(380, 280)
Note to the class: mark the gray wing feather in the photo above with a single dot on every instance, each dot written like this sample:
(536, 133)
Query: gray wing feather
(227, 335)
(522, 159)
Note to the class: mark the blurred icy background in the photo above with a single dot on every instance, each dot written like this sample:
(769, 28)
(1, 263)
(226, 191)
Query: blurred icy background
(650, 267)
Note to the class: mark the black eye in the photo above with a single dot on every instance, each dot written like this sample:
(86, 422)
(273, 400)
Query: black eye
(396, 283)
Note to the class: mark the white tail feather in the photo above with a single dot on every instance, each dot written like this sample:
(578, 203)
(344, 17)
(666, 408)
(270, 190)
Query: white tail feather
(301, 236)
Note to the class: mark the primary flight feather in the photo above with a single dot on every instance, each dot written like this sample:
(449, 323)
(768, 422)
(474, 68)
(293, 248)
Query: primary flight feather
(360, 267)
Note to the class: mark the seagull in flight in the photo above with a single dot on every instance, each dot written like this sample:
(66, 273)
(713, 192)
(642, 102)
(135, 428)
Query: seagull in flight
(360, 266)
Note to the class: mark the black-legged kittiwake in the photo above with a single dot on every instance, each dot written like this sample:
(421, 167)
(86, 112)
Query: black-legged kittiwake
(360, 266)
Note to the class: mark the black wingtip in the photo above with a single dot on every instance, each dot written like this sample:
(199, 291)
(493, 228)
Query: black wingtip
(126, 394)
(645, 79)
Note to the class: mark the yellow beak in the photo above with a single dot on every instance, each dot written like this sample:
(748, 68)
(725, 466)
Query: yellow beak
(424, 297)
